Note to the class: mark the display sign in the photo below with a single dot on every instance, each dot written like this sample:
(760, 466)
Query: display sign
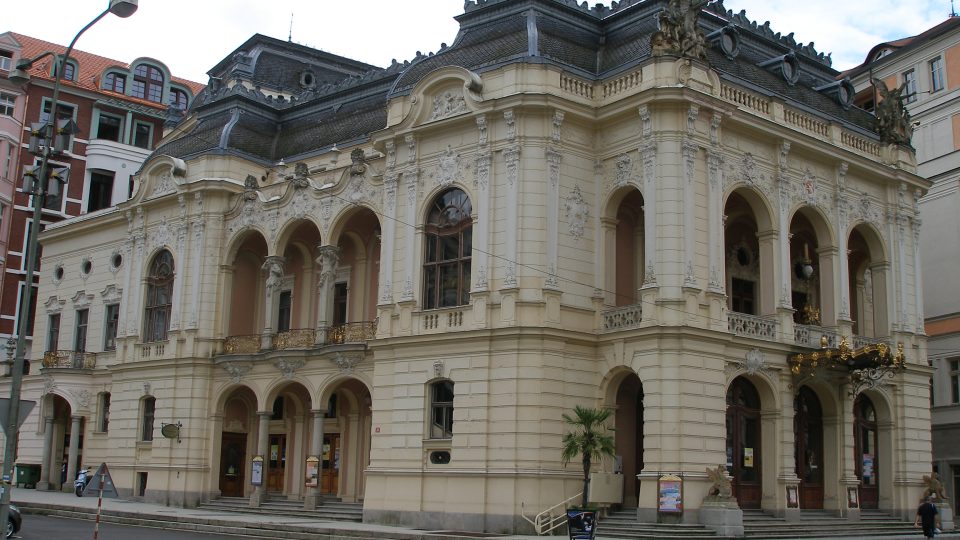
(793, 501)
(313, 472)
(748, 457)
(670, 494)
(867, 465)
(101, 479)
(852, 498)
(256, 471)
(582, 524)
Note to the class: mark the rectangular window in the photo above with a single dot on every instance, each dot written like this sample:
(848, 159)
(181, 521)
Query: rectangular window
(742, 296)
(7, 102)
(6, 60)
(101, 191)
(910, 86)
(33, 309)
(283, 317)
(146, 427)
(109, 127)
(441, 410)
(111, 318)
(80, 333)
(954, 381)
(103, 423)
(53, 332)
(142, 135)
(937, 81)
(115, 82)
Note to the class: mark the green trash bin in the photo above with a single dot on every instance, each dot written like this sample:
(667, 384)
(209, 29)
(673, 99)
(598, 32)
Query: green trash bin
(27, 475)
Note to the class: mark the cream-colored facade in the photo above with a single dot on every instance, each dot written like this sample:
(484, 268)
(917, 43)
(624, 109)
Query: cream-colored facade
(636, 242)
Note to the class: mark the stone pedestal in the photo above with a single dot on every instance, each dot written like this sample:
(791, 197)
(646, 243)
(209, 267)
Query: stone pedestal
(946, 516)
(723, 516)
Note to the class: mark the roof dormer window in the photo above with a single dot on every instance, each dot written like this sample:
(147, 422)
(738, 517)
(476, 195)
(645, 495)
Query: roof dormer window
(147, 83)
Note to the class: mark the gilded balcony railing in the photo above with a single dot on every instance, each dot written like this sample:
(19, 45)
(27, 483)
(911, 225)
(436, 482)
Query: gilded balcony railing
(248, 344)
(69, 359)
(355, 332)
(300, 338)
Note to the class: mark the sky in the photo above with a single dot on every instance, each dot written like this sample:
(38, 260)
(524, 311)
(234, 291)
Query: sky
(190, 37)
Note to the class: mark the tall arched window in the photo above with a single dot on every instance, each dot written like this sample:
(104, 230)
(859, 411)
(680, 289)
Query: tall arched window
(449, 241)
(156, 319)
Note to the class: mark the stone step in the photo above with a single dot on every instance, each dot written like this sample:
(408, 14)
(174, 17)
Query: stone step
(332, 509)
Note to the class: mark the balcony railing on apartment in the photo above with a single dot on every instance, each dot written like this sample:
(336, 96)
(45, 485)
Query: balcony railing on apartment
(69, 360)
(814, 337)
(302, 338)
(746, 325)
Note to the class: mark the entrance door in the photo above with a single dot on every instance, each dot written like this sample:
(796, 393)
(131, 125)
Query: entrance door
(629, 437)
(808, 447)
(330, 462)
(277, 462)
(867, 460)
(232, 463)
(743, 442)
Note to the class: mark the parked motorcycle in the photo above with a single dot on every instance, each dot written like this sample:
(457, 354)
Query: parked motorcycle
(83, 478)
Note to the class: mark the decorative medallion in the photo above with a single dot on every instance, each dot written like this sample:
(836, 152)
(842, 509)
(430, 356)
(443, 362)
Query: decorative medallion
(448, 167)
(346, 362)
(236, 370)
(288, 366)
(438, 369)
(624, 166)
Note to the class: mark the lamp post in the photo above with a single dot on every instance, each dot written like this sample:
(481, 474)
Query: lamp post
(38, 188)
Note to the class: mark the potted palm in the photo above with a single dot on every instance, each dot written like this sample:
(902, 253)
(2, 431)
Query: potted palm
(590, 439)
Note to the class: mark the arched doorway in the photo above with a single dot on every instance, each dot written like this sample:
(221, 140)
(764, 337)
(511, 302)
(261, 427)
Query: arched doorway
(629, 436)
(808, 447)
(865, 451)
(743, 442)
(346, 440)
(235, 442)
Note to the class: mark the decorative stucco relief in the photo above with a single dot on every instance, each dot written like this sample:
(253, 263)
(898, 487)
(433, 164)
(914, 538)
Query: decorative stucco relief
(448, 103)
(577, 213)
(449, 167)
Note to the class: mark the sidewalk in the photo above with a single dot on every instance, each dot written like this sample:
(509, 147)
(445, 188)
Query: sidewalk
(137, 513)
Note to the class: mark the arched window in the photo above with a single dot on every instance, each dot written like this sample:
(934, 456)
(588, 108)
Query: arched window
(115, 82)
(448, 238)
(156, 319)
(147, 83)
(178, 99)
(441, 409)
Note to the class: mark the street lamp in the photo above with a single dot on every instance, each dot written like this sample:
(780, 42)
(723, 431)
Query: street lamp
(56, 136)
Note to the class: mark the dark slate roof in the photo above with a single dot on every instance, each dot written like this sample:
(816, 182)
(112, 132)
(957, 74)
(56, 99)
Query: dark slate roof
(348, 99)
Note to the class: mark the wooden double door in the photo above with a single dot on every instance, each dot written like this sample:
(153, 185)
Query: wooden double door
(276, 462)
(330, 464)
(808, 447)
(865, 448)
(233, 464)
(743, 442)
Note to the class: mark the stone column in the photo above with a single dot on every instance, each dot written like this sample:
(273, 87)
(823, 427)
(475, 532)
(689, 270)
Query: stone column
(313, 498)
(263, 437)
(73, 453)
(43, 484)
(848, 474)
(328, 261)
(273, 267)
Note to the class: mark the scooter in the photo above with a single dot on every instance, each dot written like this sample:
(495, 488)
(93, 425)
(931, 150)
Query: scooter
(83, 478)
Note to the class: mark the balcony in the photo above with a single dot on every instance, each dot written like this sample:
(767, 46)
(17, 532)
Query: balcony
(745, 325)
(355, 333)
(69, 360)
(814, 337)
(622, 318)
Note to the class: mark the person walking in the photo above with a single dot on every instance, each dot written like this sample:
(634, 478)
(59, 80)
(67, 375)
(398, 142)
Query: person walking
(928, 518)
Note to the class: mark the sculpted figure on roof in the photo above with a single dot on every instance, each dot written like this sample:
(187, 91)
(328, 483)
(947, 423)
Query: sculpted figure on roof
(679, 33)
(893, 119)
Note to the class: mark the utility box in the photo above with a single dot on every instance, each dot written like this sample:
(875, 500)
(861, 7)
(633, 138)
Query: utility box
(27, 475)
(606, 488)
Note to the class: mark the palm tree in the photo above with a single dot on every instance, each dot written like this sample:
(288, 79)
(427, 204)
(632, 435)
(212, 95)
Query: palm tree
(588, 438)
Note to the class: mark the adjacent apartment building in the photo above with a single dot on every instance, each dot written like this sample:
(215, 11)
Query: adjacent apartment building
(121, 109)
(387, 285)
(927, 68)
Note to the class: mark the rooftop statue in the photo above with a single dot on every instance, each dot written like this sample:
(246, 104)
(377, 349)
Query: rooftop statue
(679, 33)
(893, 120)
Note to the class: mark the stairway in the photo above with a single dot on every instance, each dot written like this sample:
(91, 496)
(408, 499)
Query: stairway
(332, 509)
(820, 524)
(624, 524)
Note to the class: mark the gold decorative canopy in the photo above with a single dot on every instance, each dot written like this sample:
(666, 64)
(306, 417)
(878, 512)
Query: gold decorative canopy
(866, 367)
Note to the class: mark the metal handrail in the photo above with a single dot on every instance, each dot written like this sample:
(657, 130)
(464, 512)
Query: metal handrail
(355, 332)
(298, 338)
(69, 359)
(547, 521)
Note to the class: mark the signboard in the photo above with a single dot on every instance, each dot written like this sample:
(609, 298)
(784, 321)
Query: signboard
(852, 499)
(867, 466)
(581, 524)
(748, 457)
(93, 487)
(26, 406)
(256, 471)
(793, 500)
(313, 471)
(670, 494)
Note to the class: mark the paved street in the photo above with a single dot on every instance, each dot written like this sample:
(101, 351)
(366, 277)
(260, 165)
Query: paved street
(47, 527)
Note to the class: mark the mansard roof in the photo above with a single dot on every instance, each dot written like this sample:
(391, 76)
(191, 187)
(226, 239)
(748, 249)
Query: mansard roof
(292, 114)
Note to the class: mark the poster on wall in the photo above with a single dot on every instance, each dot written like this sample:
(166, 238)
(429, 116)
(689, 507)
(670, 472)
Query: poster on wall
(867, 466)
(852, 500)
(748, 457)
(256, 471)
(313, 471)
(793, 500)
(670, 494)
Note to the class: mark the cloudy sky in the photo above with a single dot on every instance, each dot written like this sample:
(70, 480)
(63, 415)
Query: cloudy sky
(191, 36)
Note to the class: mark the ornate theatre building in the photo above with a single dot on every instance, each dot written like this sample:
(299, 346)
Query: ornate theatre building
(385, 285)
